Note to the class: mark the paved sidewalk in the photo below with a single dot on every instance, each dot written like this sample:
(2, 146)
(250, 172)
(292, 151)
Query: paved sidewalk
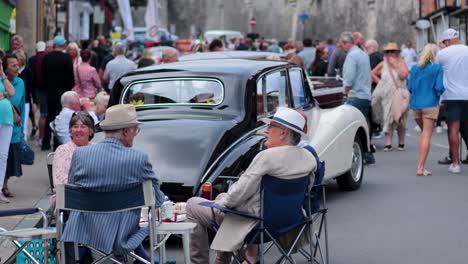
(30, 190)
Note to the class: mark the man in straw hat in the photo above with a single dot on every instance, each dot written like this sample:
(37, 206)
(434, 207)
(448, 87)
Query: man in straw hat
(282, 159)
(454, 62)
(111, 165)
(357, 79)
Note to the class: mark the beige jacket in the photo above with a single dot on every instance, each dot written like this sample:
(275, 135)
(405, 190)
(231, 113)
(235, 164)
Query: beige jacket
(286, 162)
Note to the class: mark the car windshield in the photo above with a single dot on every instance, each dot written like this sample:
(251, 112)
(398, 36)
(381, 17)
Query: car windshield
(175, 91)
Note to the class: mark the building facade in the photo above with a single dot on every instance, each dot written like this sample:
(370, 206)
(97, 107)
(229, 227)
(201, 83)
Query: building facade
(319, 19)
(441, 15)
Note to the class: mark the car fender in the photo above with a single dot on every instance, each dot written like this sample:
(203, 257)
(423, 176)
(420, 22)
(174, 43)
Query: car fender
(242, 152)
(332, 135)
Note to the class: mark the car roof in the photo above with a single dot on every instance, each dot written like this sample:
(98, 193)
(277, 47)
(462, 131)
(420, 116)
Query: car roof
(235, 54)
(215, 66)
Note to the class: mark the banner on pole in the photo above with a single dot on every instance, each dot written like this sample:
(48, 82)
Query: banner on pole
(126, 13)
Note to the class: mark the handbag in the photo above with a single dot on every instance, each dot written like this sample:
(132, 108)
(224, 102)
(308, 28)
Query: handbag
(400, 100)
(26, 153)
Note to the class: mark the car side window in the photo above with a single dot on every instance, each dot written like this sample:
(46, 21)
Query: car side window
(260, 103)
(276, 90)
(297, 87)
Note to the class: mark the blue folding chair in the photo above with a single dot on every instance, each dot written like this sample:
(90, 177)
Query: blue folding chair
(28, 235)
(282, 203)
(79, 199)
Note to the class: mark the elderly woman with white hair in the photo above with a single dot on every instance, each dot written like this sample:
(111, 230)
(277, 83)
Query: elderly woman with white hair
(70, 104)
(283, 159)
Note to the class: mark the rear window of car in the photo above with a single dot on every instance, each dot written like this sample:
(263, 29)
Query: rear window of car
(186, 91)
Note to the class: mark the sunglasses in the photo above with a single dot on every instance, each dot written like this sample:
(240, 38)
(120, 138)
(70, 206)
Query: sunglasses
(391, 51)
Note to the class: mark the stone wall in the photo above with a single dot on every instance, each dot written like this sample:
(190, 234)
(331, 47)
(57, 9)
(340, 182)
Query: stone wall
(384, 20)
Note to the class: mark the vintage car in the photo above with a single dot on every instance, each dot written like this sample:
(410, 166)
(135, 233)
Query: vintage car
(201, 121)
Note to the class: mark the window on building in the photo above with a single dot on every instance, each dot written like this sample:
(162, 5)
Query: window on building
(440, 4)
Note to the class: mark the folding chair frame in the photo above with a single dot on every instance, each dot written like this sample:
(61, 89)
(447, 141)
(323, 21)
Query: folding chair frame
(262, 231)
(21, 248)
(149, 201)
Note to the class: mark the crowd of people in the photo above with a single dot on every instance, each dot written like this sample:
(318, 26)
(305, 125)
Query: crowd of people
(69, 84)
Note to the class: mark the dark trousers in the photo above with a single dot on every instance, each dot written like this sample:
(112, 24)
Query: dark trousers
(464, 135)
(54, 108)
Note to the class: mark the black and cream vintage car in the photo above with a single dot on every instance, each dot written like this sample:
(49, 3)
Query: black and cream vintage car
(201, 120)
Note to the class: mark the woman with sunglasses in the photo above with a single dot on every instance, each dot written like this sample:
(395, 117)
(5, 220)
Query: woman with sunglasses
(390, 75)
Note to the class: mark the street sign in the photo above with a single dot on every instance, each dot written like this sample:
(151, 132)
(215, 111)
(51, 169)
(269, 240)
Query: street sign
(303, 17)
(252, 22)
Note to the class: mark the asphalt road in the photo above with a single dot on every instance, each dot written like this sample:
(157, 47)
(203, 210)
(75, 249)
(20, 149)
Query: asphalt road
(397, 217)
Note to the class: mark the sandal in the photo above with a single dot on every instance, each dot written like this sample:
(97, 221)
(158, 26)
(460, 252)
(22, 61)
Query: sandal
(424, 173)
(7, 193)
(387, 148)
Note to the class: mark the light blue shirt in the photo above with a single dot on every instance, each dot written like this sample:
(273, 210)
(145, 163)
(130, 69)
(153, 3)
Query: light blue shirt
(6, 114)
(308, 55)
(357, 74)
(426, 86)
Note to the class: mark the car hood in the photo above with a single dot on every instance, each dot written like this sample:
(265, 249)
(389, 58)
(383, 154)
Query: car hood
(180, 149)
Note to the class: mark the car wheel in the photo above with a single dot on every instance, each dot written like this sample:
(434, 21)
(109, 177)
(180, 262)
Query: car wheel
(352, 179)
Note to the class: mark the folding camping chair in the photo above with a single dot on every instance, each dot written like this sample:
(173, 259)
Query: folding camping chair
(76, 198)
(282, 203)
(28, 235)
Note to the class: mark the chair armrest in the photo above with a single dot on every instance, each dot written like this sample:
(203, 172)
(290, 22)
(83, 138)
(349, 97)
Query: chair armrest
(18, 211)
(228, 210)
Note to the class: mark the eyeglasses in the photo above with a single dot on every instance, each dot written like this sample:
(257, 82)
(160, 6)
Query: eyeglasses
(391, 51)
(136, 130)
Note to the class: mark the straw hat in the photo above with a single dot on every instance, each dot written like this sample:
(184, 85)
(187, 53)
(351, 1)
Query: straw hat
(289, 118)
(119, 116)
(391, 46)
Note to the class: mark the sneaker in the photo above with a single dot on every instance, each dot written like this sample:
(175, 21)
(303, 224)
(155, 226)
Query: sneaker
(368, 158)
(401, 147)
(33, 131)
(377, 135)
(439, 130)
(444, 126)
(445, 161)
(454, 168)
(3, 199)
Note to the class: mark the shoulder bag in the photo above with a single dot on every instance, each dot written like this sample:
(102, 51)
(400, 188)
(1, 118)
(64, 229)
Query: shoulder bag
(400, 99)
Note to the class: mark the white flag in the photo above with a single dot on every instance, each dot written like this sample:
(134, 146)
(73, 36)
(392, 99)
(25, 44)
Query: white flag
(151, 19)
(126, 13)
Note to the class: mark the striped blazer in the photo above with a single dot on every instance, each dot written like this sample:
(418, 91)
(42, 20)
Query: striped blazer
(109, 166)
